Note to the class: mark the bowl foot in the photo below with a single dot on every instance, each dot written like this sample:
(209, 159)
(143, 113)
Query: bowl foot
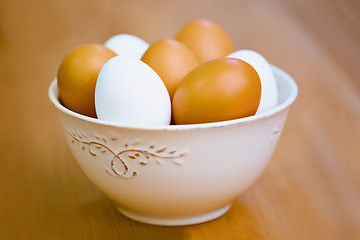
(180, 221)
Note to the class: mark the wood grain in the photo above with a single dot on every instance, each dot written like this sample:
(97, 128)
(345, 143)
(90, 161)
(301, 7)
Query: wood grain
(310, 189)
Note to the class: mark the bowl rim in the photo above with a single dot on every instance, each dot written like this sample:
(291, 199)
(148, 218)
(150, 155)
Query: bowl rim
(54, 99)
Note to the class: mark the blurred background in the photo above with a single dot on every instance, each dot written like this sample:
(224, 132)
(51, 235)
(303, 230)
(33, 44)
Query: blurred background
(44, 31)
(310, 189)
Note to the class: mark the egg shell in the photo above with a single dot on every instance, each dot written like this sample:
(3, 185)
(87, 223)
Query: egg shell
(269, 92)
(77, 75)
(170, 59)
(206, 39)
(218, 90)
(129, 92)
(127, 45)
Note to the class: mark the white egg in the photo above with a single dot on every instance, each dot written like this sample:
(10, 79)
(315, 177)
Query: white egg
(269, 93)
(129, 92)
(127, 45)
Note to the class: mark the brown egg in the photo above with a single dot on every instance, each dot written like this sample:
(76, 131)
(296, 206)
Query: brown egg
(218, 90)
(77, 76)
(171, 60)
(206, 39)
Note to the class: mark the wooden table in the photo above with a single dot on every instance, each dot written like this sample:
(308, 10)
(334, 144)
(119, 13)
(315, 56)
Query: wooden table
(310, 190)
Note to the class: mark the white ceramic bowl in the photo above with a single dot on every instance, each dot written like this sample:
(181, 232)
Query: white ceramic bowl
(177, 174)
